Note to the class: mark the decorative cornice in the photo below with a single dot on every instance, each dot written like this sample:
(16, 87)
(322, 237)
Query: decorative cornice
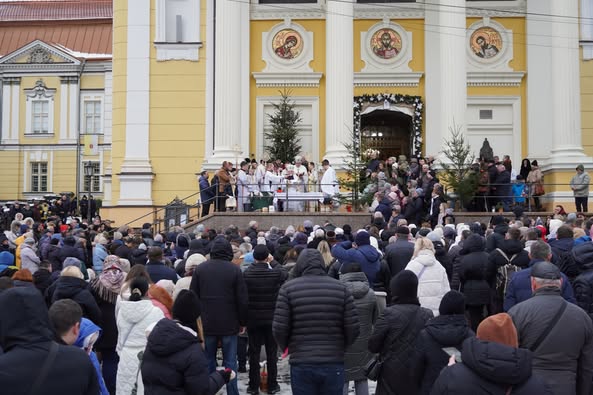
(500, 9)
(389, 11)
(495, 78)
(292, 11)
(264, 80)
(386, 79)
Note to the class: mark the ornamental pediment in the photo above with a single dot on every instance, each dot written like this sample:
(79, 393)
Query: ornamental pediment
(39, 53)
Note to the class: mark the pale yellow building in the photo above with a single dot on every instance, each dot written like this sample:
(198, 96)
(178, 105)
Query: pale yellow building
(194, 80)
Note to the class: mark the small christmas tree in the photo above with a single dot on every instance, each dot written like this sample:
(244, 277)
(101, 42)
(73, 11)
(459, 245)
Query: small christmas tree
(355, 179)
(283, 141)
(457, 172)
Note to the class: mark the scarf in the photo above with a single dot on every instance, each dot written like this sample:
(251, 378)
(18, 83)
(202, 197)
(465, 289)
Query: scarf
(108, 285)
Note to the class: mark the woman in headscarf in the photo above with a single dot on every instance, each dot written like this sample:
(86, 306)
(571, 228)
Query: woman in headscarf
(106, 288)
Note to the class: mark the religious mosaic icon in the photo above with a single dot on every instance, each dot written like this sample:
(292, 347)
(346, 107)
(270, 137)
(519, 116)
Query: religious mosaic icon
(287, 44)
(386, 43)
(486, 42)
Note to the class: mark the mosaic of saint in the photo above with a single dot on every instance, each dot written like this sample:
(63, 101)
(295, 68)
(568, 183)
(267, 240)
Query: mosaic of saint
(386, 43)
(287, 44)
(486, 43)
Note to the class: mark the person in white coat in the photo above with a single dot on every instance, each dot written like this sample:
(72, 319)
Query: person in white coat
(329, 182)
(243, 188)
(134, 316)
(433, 283)
(29, 258)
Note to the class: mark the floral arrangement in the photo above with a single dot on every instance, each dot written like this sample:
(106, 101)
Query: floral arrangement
(395, 99)
(369, 152)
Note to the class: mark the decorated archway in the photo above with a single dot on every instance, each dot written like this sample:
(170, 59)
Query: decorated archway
(407, 105)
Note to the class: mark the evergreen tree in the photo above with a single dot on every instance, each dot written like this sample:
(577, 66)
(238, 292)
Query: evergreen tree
(355, 179)
(457, 173)
(283, 141)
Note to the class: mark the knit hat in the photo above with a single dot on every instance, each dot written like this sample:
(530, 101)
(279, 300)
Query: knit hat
(499, 328)
(308, 224)
(167, 285)
(23, 228)
(300, 238)
(30, 240)
(339, 231)
(193, 261)
(402, 230)
(111, 262)
(6, 258)
(71, 261)
(420, 191)
(404, 287)
(433, 236)
(260, 252)
(580, 167)
(362, 238)
(200, 228)
(452, 303)
(186, 309)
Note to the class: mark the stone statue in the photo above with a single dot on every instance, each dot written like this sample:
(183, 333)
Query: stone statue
(486, 152)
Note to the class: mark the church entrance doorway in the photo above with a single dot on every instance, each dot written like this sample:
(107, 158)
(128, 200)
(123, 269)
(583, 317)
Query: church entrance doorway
(390, 132)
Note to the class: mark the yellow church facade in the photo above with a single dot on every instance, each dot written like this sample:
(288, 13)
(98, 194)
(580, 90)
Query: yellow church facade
(193, 82)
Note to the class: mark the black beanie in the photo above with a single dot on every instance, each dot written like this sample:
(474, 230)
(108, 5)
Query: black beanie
(452, 303)
(186, 309)
(404, 288)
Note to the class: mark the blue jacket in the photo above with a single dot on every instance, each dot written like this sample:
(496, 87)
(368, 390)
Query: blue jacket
(206, 191)
(519, 289)
(99, 255)
(366, 255)
(158, 271)
(87, 328)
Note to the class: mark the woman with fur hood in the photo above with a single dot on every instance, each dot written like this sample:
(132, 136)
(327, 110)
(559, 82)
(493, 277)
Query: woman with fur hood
(433, 282)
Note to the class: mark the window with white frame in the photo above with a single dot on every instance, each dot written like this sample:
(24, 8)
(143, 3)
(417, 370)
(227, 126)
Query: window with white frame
(92, 182)
(93, 115)
(38, 176)
(178, 21)
(40, 116)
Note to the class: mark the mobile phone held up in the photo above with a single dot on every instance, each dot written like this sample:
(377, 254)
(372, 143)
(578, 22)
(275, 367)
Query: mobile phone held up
(452, 351)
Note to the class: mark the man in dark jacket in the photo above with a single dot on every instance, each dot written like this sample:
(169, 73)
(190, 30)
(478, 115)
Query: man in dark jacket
(415, 207)
(263, 283)
(502, 187)
(449, 329)
(562, 352)
(157, 269)
(316, 320)
(583, 284)
(223, 298)
(519, 289)
(561, 251)
(70, 250)
(496, 239)
(491, 363)
(207, 193)
(27, 341)
(399, 254)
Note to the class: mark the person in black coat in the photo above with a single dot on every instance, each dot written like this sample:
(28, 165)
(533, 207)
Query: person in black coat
(26, 339)
(415, 207)
(220, 286)
(395, 333)
(263, 283)
(399, 254)
(496, 239)
(69, 250)
(156, 268)
(492, 363)
(316, 320)
(449, 329)
(477, 277)
(53, 255)
(71, 285)
(440, 253)
(583, 284)
(174, 362)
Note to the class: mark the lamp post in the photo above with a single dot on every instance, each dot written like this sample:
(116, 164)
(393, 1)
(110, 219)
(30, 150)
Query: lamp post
(88, 172)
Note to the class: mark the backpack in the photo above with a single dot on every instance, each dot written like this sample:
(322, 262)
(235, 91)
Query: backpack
(505, 273)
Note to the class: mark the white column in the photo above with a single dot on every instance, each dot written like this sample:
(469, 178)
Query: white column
(136, 171)
(6, 90)
(15, 111)
(339, 79)
(63, 109)
(74, 100)
(446, 77)
(228, 82)
(567, 148)
(539, 89)
(108, 108)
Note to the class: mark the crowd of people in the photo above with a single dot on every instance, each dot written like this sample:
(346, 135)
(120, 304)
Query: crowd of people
(450, 308)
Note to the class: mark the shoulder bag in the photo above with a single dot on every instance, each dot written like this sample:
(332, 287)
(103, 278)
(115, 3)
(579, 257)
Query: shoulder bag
(546, 332)
(49, 360)
(372, 369)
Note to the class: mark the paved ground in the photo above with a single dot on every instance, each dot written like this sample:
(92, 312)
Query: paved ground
(284, 380)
